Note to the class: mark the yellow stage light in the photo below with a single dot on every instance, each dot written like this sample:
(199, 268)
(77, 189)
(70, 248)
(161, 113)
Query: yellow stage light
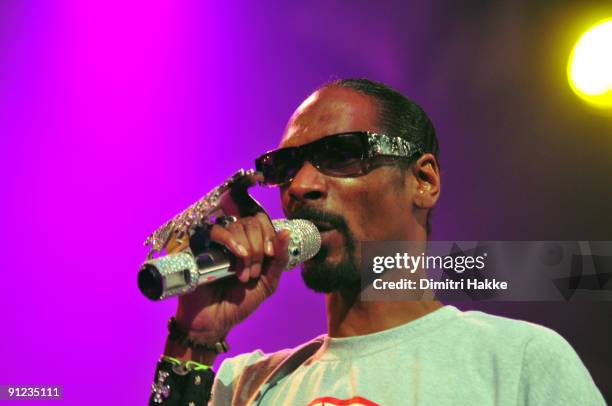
(589, 70)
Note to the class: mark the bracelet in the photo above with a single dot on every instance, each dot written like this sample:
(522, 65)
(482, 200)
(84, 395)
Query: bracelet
(178, 384)
(175, 334)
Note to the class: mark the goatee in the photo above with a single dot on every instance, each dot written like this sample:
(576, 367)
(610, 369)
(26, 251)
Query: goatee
(318, 274)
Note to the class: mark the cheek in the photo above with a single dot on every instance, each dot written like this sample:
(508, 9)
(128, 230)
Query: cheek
(378, 215)
(284, 199)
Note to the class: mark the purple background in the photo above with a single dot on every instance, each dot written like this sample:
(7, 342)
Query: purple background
(115, 115)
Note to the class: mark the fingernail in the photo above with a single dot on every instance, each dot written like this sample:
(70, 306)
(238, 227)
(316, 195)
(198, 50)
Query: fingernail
(269, 248)
(254, 271)
(245, 275)
(241, 250)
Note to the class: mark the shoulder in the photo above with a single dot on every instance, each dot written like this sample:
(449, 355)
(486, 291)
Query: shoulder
(534, 343)
(229, 374)
(498, 330)
(242, 374)
(538, 344)
(550, 369)
(234, 366)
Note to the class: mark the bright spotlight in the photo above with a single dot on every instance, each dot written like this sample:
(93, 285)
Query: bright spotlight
(590, 65)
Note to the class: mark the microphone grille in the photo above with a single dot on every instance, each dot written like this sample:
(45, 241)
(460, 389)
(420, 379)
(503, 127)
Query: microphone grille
(305, 240)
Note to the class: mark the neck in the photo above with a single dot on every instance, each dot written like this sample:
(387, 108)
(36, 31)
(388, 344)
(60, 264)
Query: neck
(348, 316)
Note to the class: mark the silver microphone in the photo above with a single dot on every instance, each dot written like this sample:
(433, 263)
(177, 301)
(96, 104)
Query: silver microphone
(181, 273)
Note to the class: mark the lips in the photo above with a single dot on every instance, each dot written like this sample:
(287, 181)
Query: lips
(323, 227)
(329, 234)
(330, 400)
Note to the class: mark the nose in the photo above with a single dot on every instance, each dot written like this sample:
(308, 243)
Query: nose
(308, 185)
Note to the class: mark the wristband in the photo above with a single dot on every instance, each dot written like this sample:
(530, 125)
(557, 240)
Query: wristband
(178, 384)
(190, 365)
(175, 334)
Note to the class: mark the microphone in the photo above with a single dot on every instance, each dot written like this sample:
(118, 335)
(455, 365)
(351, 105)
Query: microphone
(181, 273)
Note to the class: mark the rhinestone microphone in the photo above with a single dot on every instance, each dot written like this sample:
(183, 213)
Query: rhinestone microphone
(180, 273)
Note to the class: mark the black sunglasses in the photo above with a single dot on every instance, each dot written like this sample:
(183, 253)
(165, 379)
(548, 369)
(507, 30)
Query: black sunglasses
(346, 154)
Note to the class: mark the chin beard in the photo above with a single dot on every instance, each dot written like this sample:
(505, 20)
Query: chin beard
(318, 274)
(323, 277)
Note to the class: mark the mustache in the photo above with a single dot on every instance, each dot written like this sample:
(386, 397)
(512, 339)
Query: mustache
(336, 221)
(309, 213)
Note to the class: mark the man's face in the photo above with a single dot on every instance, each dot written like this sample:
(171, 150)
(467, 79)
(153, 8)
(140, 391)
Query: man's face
(375, 206)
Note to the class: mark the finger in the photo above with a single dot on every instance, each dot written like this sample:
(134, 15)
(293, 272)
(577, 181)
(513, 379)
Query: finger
(234, 238)
(243, 269)
(278, 263)
(253, 230)
(281, 246)
(255, 178)
(227, 238)
(267, 232)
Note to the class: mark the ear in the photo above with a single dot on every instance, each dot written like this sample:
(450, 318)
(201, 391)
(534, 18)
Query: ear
(426, 181)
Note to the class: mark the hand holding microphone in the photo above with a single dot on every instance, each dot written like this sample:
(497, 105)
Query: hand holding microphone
(213, 309)
(207, 261)
(221, 273)
(248, 250)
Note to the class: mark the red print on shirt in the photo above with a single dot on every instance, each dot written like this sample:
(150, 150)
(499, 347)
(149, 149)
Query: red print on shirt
(354, 401)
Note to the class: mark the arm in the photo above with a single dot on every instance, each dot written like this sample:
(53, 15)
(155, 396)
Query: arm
(208, 314)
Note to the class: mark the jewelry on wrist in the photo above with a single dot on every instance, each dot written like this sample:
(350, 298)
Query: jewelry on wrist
(181, 383)
(176, 334)
(188, 365)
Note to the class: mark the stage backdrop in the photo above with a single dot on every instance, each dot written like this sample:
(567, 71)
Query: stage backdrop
(115, 115)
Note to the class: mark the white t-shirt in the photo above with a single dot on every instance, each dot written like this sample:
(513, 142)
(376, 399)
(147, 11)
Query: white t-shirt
(447, 357)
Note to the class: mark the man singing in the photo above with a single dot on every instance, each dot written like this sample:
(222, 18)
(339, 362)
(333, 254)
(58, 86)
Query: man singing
(359, 160)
